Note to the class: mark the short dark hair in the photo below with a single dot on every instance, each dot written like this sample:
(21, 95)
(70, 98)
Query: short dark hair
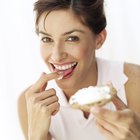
(92, 11)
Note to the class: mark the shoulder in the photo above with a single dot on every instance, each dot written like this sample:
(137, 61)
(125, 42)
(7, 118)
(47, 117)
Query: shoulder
(132, 86)
(133, 73)
(132, 70)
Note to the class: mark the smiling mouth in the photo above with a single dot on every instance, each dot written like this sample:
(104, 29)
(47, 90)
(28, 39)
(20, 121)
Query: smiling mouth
(66, 69)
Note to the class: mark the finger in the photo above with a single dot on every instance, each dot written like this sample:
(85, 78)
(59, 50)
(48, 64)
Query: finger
(41, 83)
(106, 125)
(102, 112)
(110, 127)
(54, 113)
(54, 107)
(109, 115)
(119, 104)
(49, 101)
(105, 132)
(45, 94)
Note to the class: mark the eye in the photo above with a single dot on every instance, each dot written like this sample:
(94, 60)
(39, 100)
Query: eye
(73, 38)
(46, 40)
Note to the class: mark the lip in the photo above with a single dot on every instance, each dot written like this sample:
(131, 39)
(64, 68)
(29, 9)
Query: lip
(66, 75)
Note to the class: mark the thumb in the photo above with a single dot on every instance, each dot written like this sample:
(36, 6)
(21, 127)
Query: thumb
(119, 104)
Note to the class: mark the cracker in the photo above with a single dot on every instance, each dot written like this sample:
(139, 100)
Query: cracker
(83, 93)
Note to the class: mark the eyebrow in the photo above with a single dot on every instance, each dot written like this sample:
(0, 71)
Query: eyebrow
(72, 31)
(44, 33)
(66, 33)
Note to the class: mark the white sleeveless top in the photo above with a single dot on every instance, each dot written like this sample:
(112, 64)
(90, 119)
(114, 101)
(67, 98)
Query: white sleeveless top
(70, 124)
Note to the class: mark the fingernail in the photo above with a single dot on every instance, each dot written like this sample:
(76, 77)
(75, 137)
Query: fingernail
(94, 109)
(60, 77)
(60, 72)
(43, 73)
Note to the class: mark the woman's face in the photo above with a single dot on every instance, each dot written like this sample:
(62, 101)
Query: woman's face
(67, 45)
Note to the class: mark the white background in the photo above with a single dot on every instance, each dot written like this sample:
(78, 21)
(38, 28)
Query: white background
(20, 61)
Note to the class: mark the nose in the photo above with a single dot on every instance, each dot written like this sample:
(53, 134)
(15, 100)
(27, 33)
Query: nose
(58, 53)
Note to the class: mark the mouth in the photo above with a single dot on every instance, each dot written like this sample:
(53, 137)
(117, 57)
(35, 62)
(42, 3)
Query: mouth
(66, 69)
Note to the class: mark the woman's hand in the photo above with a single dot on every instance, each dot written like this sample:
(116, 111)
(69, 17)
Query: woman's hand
(123, 124)
(41, 104)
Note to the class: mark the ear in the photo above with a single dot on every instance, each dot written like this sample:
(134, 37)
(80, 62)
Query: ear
(101, 38)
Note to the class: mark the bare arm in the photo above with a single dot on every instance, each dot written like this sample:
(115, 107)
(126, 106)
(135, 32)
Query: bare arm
(132, 87)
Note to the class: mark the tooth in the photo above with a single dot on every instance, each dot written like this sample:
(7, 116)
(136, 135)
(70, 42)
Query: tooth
(56, 66)
(59, 67)
(67, 66)
(63, 68)
(73, 64)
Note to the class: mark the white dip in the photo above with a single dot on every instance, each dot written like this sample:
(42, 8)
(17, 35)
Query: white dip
(90, 95)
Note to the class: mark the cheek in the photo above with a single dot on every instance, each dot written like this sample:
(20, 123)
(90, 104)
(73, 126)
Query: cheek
(44, 52)
(82, 52)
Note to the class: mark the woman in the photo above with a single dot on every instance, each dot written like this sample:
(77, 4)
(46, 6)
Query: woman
(70, 32)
